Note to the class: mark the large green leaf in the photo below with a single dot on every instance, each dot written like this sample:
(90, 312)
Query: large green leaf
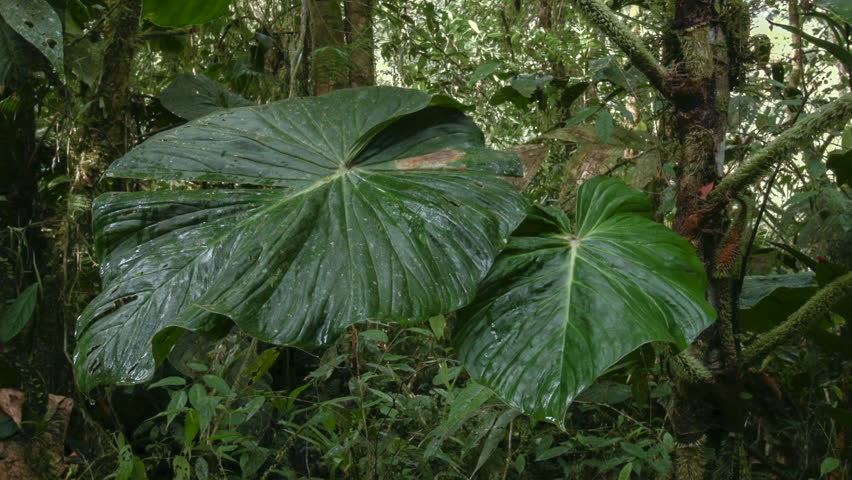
(392, 209)
(172, 13)
(193, 96)
(38, 23)
(563, 304)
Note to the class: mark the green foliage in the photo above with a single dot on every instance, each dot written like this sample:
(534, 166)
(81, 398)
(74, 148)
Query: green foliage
(168, 13)
(562, 304)
(392, 211)
(18, 314)
(193, 96)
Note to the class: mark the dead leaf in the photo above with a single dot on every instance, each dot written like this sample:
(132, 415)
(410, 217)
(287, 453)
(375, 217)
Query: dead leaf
(11, 403)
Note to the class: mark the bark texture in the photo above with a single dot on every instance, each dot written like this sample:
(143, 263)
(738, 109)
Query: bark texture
(359, 29)
(328, 66)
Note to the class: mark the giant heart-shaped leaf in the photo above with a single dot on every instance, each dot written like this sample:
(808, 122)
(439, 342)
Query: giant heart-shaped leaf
(389, 207)
(563, 304)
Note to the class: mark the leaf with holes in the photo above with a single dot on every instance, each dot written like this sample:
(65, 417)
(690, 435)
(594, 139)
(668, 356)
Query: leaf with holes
(563, 304)
(386, 205)
(39, 24)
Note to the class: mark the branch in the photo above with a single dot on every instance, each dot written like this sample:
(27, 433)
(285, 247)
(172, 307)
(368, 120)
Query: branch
(602, 17)
(833, 114)
(798, 322)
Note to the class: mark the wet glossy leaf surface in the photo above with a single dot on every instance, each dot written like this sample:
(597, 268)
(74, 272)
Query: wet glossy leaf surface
(193, 96)
(563, 303)
(392, 210)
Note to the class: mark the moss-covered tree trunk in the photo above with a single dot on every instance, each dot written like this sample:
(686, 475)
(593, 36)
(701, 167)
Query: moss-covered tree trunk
(705, 40)
(359, 29)
(105, 134)
(328, 65)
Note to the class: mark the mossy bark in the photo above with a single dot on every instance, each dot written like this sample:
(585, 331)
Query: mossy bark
(106, 124)
(359, 29)
(329, 68)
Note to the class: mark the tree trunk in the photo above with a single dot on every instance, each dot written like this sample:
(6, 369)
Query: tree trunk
(328, 67)
(359, 27)
(105, 130)
(707, 41)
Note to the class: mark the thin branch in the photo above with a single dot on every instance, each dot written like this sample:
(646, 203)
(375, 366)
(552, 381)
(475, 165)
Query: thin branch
(834, 114)
(602, 17)
(798, 322)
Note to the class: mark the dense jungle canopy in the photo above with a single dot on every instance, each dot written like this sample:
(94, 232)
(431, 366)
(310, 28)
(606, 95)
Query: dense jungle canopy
(425, 239)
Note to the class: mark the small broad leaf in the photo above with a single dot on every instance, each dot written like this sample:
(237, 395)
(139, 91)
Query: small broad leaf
(387, 207)
(483, 71)
(193, 96)
(18, 314)
(38, 23)
(603, 125)
(828, 465)
(169, 13)
(563, 304)
(168, 382)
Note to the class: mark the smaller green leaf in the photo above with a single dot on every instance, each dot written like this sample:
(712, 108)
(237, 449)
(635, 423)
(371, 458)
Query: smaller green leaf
(202, 470)
(217, 383)
(438, 323)
(484, 70)
(198, 367)
(520, 463)
(39, 24)
(253, 406)
(181, 468)
(603, 125)
(466, 402)
(125, 460)
(260, 365)
(474, 26)
(495, 436)
(377, 336)
(828, 465)
(194, 96)
(168, 382)
(19, 313)
(191, 428)
(625, 472)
